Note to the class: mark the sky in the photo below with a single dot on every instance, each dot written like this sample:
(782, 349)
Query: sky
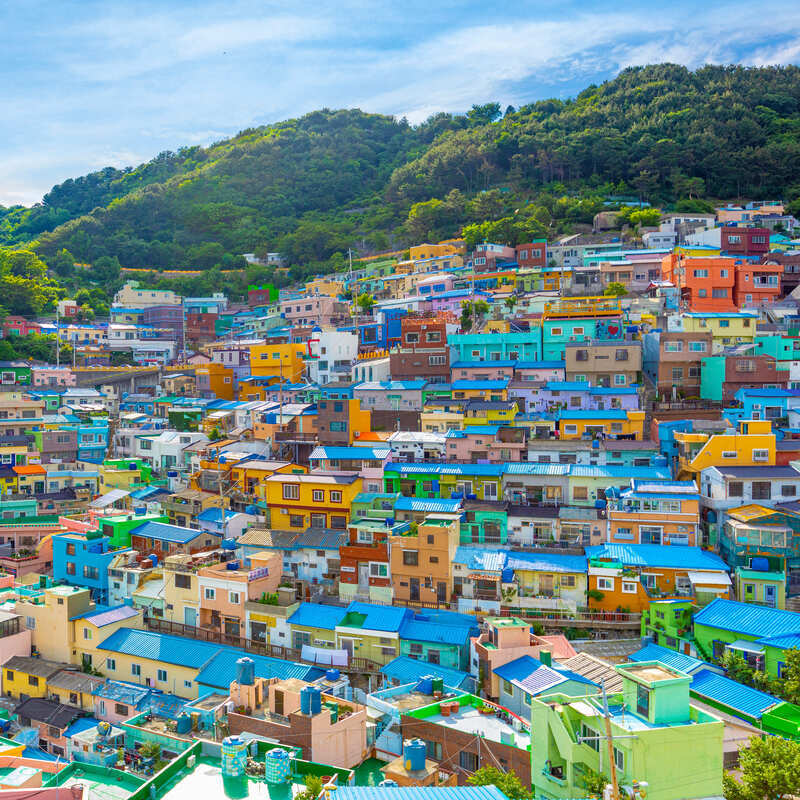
(88, 84)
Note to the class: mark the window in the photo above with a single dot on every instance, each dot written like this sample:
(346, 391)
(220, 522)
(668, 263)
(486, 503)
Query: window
(433, 750)
(556, 332)
(673, 347)
(410, 558)
(701, 273)
(729, 454)
(87, 633)
(33, 680)
(642, 702)
(70, 546)
(570, 429)
(650, 534)
(605, 584)
(378, 570)
(677, 373)
(318, 496)
(788, 490)
(468, 761)
(92, 573)
(111, 664)
(183, 581)
(161, 675)
(507, 687)
(629, 587)
(296, 520)
(760, 455)
(437, 361)
(121, 709)
(619, 759)
(698, 347)
(336, 497)
(188, 684)
(621, 355)
(620, 380)
(762, 490)
(233, 597)
(136, 670)
(210, 593)
(580, 493)
(589, 737)
(291, 491)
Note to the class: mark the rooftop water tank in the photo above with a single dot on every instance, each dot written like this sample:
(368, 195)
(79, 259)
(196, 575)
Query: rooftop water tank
(387, 783)
(759, 564)
(183, 724)
(425, 685)
(414, 755)
(228, 544)
(332, 674)
(277, 766)
(310, 700)
(232, 565)
(153, 559)
(234, 757)
(245, 671)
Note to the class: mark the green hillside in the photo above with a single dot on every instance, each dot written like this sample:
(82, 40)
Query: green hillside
(314, 186)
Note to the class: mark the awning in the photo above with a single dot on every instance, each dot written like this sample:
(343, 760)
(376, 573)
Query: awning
(109, 498)
(746, 647)
(709, 578)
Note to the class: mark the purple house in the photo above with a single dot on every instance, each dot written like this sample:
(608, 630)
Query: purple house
(556, 396)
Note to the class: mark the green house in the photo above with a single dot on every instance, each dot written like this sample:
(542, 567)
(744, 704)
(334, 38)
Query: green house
(372, 505)
(484, 522)
(469, 481)
(650, 716)
(119, 526)
(668, 623)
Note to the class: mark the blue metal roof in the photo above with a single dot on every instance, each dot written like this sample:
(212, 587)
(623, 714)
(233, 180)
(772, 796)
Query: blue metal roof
(480, 558)
(546, 562)
(765, 391)
(672, 658)
(708, 685)
(419, 793)
(351, 453)
(436, 505)
(540, 364)
(436, 632)
(534, 676)
(609, 413)
(484, 364)
(123, 692)
(484, 430)
(671, 556)
(380, 618)
(748, 619)
(148, 491)
(407, 670)
(80, 725)
(168, 533)
(618, 472)
(215, 515)
(316, 615)
(176, 650)
(467, 383)
(785, 642)
(493, 470)
(221, 670)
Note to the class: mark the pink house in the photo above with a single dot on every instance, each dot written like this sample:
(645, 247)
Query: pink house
(319, 309)
(482, 370)
(224, 591)
(539, 371)
(485, 444)
(49, 376)
(15, 638)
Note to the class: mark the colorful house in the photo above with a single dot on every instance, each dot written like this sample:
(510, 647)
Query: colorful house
(611, 423)
(296, 502)
(482, 481)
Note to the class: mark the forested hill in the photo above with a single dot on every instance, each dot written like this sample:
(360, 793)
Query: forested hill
(314, 186)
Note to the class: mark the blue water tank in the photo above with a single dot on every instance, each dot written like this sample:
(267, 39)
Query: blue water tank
(660, 461)
(332, 674)
(595, 444)
(183, 724)
(245, 671)
(310, 700)
(232, 565)
(228, 544)
(414, 755)
(153, 559)
(425, 685)
(759, 564)
(172, 473)
(388, 783)
(139, 511)
(507, 575)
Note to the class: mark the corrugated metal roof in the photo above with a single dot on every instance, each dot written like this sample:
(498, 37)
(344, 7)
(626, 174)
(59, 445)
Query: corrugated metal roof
(443, 505)
(360, 453)
(123, 692)
(407, 670)
(709, 685)
(160, 647)
(419, 793)
(672, 658)
(111, 615)
(660, 555)
(494, 470)
(436, 632)
(221, 669)
(168, 533)
(317, 615)
(546, 562)
(479, 558)
(379, 618)
(534, 468)
(748, 619)
(595, 669)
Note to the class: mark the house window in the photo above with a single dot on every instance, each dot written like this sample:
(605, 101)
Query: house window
(233, 598)
(589, 737)
(410, 558)
(136, 670)
(619, 759)
(319, 496)
(378, 570)
(291, 491)
(788, 490)
(162, 675)
(570, 429)
(468, 761)
(677, 373)
(580, 493)
(336, 497)
(620, 380)
(605, 584)
(762, 490)
(629, 587)
(111, 664)
(120, 709)
(507, 687)
(211, 593)
(642, 703)
(433, 750)
(673, 347)
(296, 520)
(760, 455)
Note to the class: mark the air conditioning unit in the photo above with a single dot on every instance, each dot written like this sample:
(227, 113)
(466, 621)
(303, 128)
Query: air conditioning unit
(284, 511)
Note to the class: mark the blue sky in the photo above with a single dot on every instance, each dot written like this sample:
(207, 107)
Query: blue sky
(87, 84)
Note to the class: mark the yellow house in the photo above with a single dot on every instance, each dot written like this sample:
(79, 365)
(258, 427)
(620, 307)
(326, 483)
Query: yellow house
(280, 361)
(74, 687)
(492, 391)
(318, 500)
(23, 675)
(614, 423)
(752, 445)
(181, 590)
(326, 286)
(726, 327)
(67, 623)
(491, 413)
(434, 420)
(248, 480)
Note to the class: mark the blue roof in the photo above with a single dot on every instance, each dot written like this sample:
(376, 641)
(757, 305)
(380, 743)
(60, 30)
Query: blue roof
(40, 755)
(481, 558)
(408, 670)
(419, 792)
(148, 491)
(436, 632)
(618, 472)
(317, 615)
(437, 505)
(672, 658)
(123, 692)
(609, 413)
(475, 384)
(164, 647)
(380, 618)
(765, 391)
(168, 533)
(567, 386)
(534, 677)
(221, 670)
(484, 364)
(481, 430)
(80, 725)
(215, 515)
(351, 453)
(671, 556)
(546, 562)
(540, 364)
(748, 619)
(708, 685)
(493, 470)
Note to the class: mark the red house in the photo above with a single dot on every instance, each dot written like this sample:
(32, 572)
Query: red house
(19, 326)
(532, 254)
(744, 241)
(757, 284)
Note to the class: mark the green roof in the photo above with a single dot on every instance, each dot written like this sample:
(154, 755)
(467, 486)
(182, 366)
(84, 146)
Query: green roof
(755, 575)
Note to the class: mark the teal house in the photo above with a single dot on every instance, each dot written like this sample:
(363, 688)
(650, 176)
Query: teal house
(484, 522)
(525, 346)
(438, 637)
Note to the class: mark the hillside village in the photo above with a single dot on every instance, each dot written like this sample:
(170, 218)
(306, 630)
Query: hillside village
(450, 510)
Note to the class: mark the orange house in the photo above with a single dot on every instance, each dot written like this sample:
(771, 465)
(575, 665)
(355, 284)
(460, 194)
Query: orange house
(214, 380)
(627, 577)
(705, 283)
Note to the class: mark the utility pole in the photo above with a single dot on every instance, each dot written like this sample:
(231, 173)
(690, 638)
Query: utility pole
(58, 342)
(610, 744)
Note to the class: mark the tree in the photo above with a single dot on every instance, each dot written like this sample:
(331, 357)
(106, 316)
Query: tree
(510, 302)
(313, 788)
(365, 302)
(62, 263)
(615, 289)
(736, 667)
(645, 217)
(507, 782)
(770, 769)
(483, 114)
(791, 675)
(466, 316)
(105, 269)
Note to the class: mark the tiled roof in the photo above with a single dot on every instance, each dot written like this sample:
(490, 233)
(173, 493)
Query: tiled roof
(748, 619)
(37, 709)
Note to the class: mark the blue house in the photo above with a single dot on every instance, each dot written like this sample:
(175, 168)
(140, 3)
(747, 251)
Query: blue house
(438, 637)
(767, 403)
(82, 560)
